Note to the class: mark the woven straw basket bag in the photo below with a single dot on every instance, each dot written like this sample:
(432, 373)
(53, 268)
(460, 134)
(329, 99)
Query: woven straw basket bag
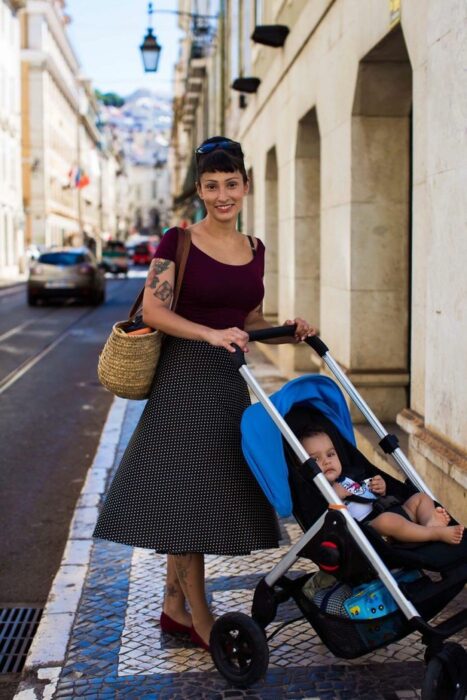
(127, 363)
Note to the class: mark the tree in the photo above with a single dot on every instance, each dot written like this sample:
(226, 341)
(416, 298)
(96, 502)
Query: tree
(109, 98)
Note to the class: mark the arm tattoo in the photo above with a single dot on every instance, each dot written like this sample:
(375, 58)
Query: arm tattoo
(164, 291)
(157, 267)
(161, 291)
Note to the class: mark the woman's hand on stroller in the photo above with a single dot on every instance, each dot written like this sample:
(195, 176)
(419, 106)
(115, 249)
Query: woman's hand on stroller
(226, 337)
(303, 330)
(377, 485)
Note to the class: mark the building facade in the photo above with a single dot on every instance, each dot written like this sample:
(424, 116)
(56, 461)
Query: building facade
(198, 108)
(356, 150)
(50, 112)
(149, 197)
(63, 149)
(12, 258)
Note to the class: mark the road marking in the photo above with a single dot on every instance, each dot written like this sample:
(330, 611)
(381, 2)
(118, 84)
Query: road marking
(20, 371)
(49, 647)
(14, 330)
(17, 373)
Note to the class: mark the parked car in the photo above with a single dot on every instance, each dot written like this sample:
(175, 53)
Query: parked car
(115, 258)
(144, 253)
(66, 273)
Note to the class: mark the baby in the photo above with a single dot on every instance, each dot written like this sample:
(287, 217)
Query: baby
(418, 520)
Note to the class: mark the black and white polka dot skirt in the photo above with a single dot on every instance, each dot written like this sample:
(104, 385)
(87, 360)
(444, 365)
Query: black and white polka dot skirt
(183, 484)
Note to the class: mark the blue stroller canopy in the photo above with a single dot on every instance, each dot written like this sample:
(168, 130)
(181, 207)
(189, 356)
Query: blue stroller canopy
(262, 440)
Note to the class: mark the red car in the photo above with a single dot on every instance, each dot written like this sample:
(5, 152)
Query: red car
(144, 253)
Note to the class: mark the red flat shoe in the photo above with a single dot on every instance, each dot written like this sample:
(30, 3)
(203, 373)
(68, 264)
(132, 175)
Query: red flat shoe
(196, 639)
(170, 626)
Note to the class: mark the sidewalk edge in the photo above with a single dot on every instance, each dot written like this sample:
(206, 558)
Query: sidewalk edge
(47, 654)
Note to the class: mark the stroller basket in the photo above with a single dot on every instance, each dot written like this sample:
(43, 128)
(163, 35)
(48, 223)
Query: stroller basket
(349, 638)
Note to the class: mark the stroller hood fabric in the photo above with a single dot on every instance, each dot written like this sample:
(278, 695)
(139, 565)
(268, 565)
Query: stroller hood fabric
(262, 442)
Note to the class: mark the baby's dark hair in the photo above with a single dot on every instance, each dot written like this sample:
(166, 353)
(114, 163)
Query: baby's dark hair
(221, 160)
(308, 431)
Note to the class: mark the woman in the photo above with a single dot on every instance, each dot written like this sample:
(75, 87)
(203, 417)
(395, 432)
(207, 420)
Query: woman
(183, 487)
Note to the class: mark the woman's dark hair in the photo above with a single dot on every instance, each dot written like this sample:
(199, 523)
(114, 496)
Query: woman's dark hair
(225, 158)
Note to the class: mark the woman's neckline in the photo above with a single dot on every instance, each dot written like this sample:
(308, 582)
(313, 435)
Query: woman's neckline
(219, 262)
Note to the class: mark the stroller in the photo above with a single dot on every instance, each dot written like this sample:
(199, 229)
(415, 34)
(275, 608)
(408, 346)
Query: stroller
(391, 579)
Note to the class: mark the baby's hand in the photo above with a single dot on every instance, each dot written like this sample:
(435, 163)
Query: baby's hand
(377, 485)
(341, 491)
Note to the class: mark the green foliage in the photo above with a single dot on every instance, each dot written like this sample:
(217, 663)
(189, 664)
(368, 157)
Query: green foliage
(109, 98)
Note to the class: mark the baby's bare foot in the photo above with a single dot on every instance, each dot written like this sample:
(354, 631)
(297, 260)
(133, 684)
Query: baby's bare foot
(440, 517)
(451, 535)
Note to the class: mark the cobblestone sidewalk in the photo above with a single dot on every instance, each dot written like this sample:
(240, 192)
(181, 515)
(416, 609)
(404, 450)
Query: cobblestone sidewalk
(100, 636)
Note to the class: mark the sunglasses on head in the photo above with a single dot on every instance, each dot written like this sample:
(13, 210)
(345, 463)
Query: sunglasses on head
(224, 145)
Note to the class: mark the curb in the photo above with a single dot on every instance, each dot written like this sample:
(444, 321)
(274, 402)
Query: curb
(47, 654)
(6, 289)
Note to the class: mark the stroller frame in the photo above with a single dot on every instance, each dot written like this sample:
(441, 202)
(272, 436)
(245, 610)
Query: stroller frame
(266, 599)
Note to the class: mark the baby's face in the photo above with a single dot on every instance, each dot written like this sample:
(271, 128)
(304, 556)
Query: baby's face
(323, 452)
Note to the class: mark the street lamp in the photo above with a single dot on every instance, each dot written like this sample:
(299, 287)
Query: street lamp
(150, 49)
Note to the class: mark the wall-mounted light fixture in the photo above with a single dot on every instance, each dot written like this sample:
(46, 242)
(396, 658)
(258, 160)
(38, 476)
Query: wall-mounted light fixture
(246, 84)
(270, 34)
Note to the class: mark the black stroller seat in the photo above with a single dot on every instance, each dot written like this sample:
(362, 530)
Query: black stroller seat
(346, 561)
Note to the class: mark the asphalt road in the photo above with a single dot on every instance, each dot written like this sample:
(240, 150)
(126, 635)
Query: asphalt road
(52, 411)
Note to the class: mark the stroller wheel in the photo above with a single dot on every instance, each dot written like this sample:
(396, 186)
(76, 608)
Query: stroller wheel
(239, 649)
(445, 677)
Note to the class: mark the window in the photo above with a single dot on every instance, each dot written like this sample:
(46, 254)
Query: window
(61, 258)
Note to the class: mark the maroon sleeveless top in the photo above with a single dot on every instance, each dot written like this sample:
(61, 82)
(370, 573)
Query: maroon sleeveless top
(213, 293)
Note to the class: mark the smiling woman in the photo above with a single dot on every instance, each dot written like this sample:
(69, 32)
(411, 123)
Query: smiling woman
(183, 486)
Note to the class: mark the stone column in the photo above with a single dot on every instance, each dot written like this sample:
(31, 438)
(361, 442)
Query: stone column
(380, 229)
(271, 220)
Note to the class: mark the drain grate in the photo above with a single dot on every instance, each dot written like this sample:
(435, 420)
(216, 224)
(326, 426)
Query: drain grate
(17, 629)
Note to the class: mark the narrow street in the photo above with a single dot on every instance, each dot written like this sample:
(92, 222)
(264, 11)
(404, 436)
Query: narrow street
(52, 412)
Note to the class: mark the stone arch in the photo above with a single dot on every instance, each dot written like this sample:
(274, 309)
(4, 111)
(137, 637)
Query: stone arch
(307, 218)
(381, 225)
(271, 219)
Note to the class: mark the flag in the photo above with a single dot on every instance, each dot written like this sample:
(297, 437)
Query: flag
(77, 178)
(82, 180)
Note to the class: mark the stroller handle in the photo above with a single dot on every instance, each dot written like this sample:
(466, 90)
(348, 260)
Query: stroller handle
(314, 341)
(270, 333)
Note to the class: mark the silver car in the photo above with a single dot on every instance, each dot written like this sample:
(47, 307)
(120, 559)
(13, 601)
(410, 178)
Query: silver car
(66, 273)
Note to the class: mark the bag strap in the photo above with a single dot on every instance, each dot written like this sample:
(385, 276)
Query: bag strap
(181, 257)
(183, 250)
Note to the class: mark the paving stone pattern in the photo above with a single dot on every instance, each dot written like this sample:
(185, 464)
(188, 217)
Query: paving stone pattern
(117, 649)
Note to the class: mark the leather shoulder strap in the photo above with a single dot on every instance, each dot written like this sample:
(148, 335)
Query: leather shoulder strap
(183, 250)
(136, 305)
